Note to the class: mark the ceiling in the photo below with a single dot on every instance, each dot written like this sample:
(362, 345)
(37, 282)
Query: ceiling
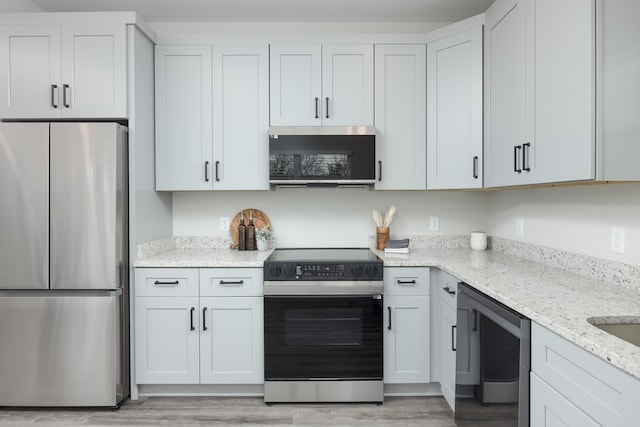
(279, 10)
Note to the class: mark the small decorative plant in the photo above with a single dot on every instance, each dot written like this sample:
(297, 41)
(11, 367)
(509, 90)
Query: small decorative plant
(264, 233)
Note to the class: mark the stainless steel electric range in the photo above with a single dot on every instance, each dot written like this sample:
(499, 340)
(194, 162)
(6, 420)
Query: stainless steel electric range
(323, 326)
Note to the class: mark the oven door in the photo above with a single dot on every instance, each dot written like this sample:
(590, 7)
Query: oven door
(323, 337)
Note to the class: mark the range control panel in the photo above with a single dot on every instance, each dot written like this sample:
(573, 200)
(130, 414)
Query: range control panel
(322, 271)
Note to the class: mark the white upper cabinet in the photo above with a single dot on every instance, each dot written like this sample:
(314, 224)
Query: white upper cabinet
(241, 117)
(558, 79)
(212, 117)
(321, 85)
(63, 71)
(400, 117)
(454, 111)
(505, 94)
(183, 118)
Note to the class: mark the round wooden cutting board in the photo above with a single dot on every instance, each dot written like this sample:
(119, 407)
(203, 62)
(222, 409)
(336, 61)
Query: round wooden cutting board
(260, 220)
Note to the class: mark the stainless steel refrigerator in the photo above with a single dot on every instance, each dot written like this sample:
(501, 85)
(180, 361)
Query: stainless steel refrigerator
(64, 337)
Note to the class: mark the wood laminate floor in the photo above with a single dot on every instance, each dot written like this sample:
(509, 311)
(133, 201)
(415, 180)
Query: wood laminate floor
(207, 411)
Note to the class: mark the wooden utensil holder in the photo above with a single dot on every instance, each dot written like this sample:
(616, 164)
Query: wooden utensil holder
(382, 235)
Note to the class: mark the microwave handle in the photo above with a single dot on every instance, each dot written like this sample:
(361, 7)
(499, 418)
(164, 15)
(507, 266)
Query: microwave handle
(379, 170)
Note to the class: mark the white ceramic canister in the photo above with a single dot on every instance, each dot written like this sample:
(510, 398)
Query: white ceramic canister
(478, 240)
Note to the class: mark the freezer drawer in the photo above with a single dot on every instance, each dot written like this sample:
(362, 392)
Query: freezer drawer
(61, 349)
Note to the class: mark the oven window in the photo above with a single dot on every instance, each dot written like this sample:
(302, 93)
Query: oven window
(333, 337)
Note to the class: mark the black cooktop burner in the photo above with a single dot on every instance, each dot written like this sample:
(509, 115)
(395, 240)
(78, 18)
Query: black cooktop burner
(323, 264)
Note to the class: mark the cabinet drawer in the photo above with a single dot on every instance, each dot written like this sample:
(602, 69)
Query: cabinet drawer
(448, 289)
(158, 282)
(602, 391)
(406, 281)
(231, 282)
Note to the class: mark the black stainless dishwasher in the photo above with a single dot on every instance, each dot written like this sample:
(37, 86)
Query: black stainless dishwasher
(493, 359)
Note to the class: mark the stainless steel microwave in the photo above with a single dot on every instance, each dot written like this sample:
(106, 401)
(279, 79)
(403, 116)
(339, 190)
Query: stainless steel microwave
(322, 156)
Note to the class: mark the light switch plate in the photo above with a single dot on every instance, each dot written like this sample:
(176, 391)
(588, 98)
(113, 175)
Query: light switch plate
(434, 223)
(224, 223)
(520, 227)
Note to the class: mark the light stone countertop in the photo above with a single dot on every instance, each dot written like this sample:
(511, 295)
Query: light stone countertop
(558, 300)
(553, 297)
(205, 257)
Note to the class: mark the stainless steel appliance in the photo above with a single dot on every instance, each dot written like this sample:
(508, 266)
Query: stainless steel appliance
(322, 156)
(493, 361)
(323, 326)
(64, 262)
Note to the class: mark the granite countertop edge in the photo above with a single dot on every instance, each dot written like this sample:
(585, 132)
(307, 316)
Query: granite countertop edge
(555, 299)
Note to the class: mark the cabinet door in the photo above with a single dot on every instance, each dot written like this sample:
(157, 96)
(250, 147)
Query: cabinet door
(504, 93)
(183, 118)
(448, 343)
(232, 346)
(550, 409)
(296, 85)
(406, 339)
(30, 71)
(241, 117)
(454, 111)
(167, 340)
(400, 110)
(94, 71)
(347, 85)
(563, 143)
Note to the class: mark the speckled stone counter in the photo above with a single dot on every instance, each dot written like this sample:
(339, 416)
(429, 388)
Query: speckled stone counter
(559, 300)
(197, 252)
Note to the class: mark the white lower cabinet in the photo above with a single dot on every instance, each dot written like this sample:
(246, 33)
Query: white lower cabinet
(406, 326)
(572, 387)
(549, 408)
(198, 339)
(167, 340)
(231, 343)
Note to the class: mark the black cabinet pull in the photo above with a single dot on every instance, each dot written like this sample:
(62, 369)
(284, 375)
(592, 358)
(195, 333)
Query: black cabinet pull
(163, 283)
(326, 105)
(217, 171)
(516, 158)
(389, 324)
(54, 88)
(193, 328)
(317, 115)
(475, 319)
(206, 171)
(525, 158)
(453, 338)
(405, 282)
(204, 319)
(448, 290)
(475, 167)
(379, 170)
(65, 87)
(232, 282)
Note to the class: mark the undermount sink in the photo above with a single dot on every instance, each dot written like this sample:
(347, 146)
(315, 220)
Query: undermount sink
(623, 327)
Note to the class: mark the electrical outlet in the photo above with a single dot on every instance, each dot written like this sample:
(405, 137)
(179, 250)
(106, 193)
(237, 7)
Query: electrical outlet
(224, 223)
(434, 223)
(617, 240)
(520, 227)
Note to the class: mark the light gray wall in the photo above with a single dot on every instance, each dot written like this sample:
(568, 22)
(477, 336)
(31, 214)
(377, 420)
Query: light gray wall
(326, 217)
(576, 219)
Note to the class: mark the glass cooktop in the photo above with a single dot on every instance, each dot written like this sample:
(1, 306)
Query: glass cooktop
(351, 255)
